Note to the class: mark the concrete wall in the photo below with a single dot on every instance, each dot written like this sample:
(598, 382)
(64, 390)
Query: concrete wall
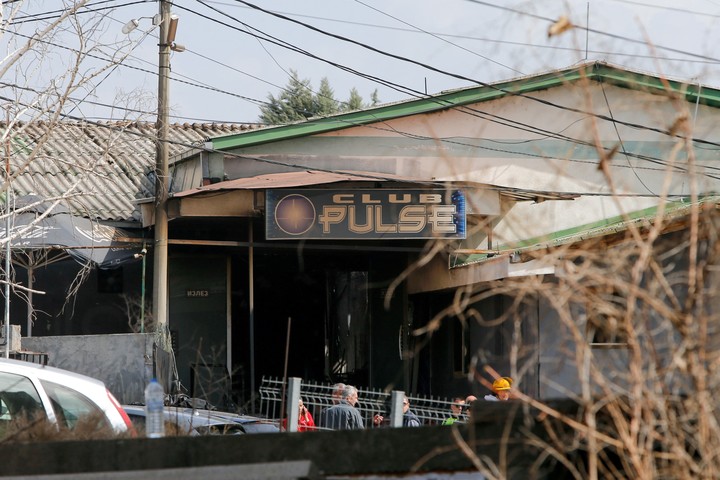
(123, 361)
(503, 434)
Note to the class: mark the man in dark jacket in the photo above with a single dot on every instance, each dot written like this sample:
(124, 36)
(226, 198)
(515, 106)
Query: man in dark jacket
(343, 415)
(409, 418)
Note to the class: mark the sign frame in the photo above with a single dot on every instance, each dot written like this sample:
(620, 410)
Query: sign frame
(364, 214)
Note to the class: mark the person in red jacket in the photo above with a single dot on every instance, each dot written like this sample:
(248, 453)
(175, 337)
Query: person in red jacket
(305, 419)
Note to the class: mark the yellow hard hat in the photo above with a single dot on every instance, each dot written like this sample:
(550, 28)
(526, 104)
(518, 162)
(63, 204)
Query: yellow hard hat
(502, 383)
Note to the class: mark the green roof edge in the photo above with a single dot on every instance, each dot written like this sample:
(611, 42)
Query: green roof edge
(595, 71)
(618, 222)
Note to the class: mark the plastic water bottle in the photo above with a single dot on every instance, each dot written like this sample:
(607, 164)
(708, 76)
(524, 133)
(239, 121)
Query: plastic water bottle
(154, 406)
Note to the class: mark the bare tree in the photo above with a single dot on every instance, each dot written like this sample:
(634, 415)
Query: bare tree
(55, 61)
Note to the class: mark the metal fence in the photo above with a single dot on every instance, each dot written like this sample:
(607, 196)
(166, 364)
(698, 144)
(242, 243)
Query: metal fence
(318, 396)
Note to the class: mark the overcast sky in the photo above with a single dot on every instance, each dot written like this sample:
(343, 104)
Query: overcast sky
(478, 40)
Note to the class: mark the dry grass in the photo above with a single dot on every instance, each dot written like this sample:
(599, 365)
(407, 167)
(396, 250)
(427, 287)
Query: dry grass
(39, 429)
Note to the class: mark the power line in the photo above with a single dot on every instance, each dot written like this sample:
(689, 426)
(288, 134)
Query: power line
(592, 30)
(489, 40)
(669, 9)
(494, 118)
(150, 72)
(440, 38)
(458, 76)
(55, 14)
(511, 123)
(274, 40)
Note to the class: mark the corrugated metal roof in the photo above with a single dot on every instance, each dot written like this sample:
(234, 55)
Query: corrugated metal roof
(104, 162)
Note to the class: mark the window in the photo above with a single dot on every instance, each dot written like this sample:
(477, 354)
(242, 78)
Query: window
(70, 406)
(460, 347)
(18, 399)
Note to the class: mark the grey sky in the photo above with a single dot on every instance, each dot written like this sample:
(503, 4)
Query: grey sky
(463, 37)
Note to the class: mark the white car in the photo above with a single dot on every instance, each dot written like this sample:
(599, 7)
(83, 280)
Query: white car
(61, 396)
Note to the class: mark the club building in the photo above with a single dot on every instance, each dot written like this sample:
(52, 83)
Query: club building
(344, 248)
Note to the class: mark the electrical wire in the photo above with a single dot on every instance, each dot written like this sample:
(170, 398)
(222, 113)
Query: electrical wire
(55, 14)
(218, 90)
(489, 40)
(620, 140)
(666, 8)
(544, 132)
(260, 41)
(439, 38)
(592, 30)
(139, 69)
(514, 124)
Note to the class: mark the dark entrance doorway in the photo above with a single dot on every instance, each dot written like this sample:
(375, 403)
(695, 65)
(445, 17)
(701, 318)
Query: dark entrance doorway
(323, 296)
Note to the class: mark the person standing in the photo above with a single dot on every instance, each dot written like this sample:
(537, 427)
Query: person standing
(343, 415)
(456, 408)
(501, 390)
(409, 418)
(305, 419)
(337, 392)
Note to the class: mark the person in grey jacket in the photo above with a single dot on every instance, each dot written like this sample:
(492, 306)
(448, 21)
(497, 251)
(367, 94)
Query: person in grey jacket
(343, 415)
(409, 418)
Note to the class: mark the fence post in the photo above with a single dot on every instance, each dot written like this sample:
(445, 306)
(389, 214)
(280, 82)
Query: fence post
(396, 408)
(292, 404)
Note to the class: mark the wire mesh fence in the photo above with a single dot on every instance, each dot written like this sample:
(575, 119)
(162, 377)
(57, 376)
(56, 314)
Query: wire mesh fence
(318, 396)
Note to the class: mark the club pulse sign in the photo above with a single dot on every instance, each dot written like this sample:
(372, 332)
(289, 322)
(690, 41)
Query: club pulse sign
(364, 214)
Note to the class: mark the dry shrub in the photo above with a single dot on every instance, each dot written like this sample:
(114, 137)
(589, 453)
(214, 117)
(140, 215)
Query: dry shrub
(647, 403)
(38, 428)
(171, 430)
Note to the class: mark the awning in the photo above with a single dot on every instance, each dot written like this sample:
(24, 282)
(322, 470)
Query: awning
(305, 178)
(37, 224)
(294, 179)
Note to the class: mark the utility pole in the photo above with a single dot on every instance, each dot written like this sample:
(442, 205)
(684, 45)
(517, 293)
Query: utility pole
(8, 251)
(162, 183)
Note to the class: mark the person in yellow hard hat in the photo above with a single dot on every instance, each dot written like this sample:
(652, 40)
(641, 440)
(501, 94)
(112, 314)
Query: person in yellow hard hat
(501, 389)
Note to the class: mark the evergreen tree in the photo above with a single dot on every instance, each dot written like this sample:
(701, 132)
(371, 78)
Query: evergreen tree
(355, 102)
(374, 98)
(297, 102)
(325, 99)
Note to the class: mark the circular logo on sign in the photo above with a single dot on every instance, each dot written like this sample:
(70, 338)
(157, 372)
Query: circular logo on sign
(295, 214)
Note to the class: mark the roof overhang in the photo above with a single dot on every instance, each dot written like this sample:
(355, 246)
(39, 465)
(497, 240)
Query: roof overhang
(468, 267)
(435, 276)
(512, 261)
(244, 197)
(303, 178)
